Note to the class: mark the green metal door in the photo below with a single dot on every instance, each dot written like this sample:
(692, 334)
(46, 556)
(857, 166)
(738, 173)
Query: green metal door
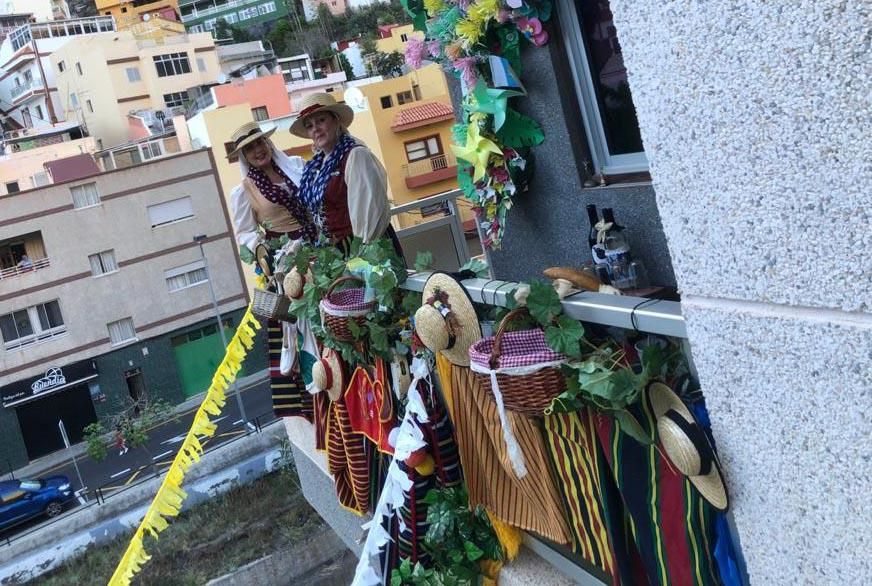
(198, 359)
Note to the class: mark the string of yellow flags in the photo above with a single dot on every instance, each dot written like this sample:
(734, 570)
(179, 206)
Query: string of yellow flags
(168, 501)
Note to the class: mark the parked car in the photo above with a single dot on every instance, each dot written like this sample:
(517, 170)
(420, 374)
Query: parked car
(21, 500)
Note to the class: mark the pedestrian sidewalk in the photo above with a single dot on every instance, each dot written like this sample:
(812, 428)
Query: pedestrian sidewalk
(35, 468)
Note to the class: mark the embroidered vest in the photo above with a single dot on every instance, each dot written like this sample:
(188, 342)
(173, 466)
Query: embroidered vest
(274, 216)
(336, 216)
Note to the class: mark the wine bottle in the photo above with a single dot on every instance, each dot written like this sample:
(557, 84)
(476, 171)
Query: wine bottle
(609, 216)
(592, 219)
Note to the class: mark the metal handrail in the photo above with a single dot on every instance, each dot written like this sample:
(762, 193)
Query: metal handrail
(215, 9)
(17, 270)
(28, 85)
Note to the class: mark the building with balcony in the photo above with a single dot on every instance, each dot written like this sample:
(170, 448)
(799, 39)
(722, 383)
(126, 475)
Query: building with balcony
(25, 168)
(29, 91)
(128, 13)
(108, 78)
(201, 15)
(41, 10)
(119, 312)
(10, 22)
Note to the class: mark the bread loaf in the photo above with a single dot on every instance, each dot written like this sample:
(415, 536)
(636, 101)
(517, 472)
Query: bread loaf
(578, 277)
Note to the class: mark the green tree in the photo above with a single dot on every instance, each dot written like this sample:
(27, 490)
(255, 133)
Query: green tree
(224, 31)
(389, 64)
(346, 66)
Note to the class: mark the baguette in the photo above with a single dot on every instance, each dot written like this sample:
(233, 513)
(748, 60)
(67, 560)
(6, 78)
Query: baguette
(580, 278)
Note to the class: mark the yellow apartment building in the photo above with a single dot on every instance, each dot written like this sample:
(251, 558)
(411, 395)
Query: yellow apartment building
(104, 79)
(127, 13)
(397, 40)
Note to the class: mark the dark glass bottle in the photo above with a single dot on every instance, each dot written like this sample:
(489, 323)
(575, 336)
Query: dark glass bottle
(592, 219)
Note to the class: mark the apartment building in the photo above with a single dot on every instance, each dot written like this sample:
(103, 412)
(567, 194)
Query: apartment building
(25, 169)
(127, 13)
(104, 80)
(310, 8)
(112, 304)
(29, 92)
(202, 15)
(41, 10)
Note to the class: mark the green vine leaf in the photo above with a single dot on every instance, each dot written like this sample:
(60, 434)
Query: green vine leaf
(245, 254)
(543, 302)
(424, 261)
(565, 336)
(520, 131)
(631, 427)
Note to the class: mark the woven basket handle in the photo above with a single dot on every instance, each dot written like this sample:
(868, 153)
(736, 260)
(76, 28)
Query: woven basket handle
(514, 314)
(339, 281)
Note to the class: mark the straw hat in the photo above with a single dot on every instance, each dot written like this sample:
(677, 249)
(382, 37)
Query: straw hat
(263, 256)
(450, 327)
(320, 102)
(294, 283)
(687, 445)
(328, 374)
(247, 134)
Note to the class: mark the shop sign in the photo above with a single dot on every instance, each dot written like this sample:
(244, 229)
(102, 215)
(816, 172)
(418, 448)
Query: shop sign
(55, 378)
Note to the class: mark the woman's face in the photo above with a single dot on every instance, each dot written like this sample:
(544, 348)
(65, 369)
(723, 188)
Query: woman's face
(258, 153)
(323, 129)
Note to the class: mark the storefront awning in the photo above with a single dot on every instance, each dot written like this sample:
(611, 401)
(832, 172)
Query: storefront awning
(55, 379)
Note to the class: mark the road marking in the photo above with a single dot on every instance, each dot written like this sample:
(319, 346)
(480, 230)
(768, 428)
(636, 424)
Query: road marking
(237, 422)
(117, 474)
(167, 453)
(231, 433)
(174, 440)
(133, 477)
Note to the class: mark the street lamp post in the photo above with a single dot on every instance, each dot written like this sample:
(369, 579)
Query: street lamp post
(199, 239)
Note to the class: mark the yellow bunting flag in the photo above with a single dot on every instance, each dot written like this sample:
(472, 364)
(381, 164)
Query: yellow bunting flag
(168, 501)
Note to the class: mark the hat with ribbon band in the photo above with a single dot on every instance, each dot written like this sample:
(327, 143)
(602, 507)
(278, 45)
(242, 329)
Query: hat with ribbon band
(447, 321)
(328, 374)
(320, 102)
(247, 134)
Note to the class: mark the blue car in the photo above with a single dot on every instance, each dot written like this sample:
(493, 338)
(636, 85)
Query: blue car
(21, 500)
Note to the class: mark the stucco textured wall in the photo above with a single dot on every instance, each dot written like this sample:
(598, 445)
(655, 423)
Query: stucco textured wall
(755, 117)
(756, 120)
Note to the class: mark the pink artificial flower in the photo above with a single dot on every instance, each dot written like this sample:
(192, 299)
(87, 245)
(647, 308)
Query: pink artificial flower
(434, 48)
(414, 52)
(499, 174)
(466, 67)
(532, 29)
(503, 16)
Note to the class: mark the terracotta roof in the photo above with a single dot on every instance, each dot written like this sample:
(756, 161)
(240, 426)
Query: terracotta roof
(70, 168)
(422, 115)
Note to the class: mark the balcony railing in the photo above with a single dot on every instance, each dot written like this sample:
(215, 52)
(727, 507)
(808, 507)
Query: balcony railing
(194, 14)
(33, 84)
(431, 164)
(17, 271)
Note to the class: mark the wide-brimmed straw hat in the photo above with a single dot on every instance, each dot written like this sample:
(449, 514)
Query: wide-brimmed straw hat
(447, 322)
(687, 445)
(320, 102)
(328, 374)
(247, 134)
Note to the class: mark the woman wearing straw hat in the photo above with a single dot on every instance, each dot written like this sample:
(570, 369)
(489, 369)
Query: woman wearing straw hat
(266, 205)
(344, 186)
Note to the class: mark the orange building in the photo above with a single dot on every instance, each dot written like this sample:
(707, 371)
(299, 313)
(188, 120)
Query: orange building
(266, 96)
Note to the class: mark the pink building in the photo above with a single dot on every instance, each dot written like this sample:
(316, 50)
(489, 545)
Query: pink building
(267, 96)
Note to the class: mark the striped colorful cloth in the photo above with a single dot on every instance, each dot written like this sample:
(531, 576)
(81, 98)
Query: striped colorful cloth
(574, 449)
(532, 503)
(289, 395)
(348, 461)
(322, 408)
(671, 524)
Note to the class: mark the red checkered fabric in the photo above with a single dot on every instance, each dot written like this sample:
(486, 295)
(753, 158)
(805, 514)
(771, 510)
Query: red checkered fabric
(525, 348)
(348, 300)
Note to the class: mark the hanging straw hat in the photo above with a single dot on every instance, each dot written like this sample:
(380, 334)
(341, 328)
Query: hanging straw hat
(447, 322)
(263, 256)
(687, 445)
(320, 102)
(328, 374)
(294, 283)
(247, 134)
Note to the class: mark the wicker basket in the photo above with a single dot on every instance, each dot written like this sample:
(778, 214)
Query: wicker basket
(526, 369)
(271, 305)
(340, 307)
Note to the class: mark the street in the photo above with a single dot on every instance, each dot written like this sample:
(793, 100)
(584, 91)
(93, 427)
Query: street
(118, 471)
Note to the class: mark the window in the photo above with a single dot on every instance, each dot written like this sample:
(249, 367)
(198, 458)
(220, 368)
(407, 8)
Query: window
(201, 64)
(133, 74)
(74, 100)
(423, 148)
(39, 179)
(150, 150)
(89, 105)
(62, 66)
(102, 263)
(230, 18)
(32, 324)
(121, 331)
(248, 13)
(171, 211)
(268, 7)
(85, 195)
(404, 98)
(12, 187)
(172, 64)
(186, 276)
(78, 68)
(404, 37)
(39, 115)
(175, 99)
(600, 78)
(386, 102)
(27, 118)
(260, 113)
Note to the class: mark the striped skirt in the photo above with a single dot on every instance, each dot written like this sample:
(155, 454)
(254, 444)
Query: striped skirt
(348, 461)
(289, 395)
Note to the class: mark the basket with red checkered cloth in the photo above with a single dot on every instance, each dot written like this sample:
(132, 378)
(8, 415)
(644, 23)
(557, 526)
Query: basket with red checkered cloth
(339, 307)
(525, 369)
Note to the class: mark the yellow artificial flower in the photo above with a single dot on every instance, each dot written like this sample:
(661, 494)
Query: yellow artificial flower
(468, 31)
(433, 6)
(483, 11)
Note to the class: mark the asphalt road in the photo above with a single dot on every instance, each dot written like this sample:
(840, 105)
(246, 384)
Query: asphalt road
(117, 471)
